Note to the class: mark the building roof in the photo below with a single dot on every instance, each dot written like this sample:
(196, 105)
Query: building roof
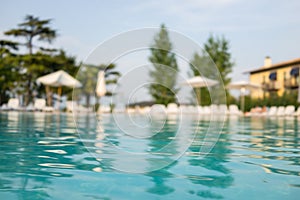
(275, 66)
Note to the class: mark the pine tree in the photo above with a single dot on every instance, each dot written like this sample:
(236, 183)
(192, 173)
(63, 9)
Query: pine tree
(32, 29)
(165, 69)
(215, 54)
(202, 66)
(218, 50)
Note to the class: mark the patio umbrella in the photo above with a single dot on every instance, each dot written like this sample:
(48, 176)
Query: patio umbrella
(200, 82)
(59, 79)
(243, 86)
(101, 87)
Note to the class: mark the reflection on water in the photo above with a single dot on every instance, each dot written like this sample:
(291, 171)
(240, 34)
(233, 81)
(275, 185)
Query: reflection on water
(43, 156)
(122, 145)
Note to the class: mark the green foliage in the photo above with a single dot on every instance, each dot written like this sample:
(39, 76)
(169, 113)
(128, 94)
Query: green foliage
(232, 100)
(20, 71)
(165, 69)
(8, 76)
(202, 66)
(218, 50)
(6, 47)
(32, 28)
(288, 98)
(89, 75)
(50, 63)
(111, 75)
(7, 68)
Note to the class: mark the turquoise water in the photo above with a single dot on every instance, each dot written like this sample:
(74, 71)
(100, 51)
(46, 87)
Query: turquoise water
(44, 157)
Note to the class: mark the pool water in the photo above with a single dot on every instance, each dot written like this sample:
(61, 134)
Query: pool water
(43, 156)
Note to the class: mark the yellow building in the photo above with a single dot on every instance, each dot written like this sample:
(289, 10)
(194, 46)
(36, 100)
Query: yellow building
(275, 78)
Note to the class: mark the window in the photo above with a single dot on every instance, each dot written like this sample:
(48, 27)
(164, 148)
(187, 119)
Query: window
(273, 76)
(294, 71)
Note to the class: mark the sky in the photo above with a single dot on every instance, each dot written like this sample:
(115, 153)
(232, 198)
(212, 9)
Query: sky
(255, 29)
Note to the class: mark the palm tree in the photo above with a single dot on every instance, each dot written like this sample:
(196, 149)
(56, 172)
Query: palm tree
(111, 75)
(88, 78)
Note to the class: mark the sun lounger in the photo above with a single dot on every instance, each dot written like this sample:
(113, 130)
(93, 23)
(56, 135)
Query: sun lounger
(272, 111)
(13, 104)
(183, 109)
(234, 110)
(129, 110)
(39, 104)
(206, 110)
(297, 113)
(146, 110)
(104, 109)
(200, 110)
(223, 110)
(192, 110)
(138, 109)
(158, 109)
(4, 107)
(30, 107)
(71, 106)
(280, 111)
(214, 109)
(82, 109)
(172, 108)
(289, 110)
(119, 109)
(48, 109)
(188, 110)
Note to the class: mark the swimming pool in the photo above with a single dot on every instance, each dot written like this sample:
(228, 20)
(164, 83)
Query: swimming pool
(44, 157)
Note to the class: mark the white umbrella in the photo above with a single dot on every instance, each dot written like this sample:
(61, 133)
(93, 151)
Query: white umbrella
(101, 87)
(59, 79)
(200, 82)
(243, 86)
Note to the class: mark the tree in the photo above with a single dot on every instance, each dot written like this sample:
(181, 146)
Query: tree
(218, 50)
(111, 76)
(49, 63)
(215, 53)
(6, 46)
(88, 78)
(8, 71)
(164, 74)
(201, 66)
(32, 28)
